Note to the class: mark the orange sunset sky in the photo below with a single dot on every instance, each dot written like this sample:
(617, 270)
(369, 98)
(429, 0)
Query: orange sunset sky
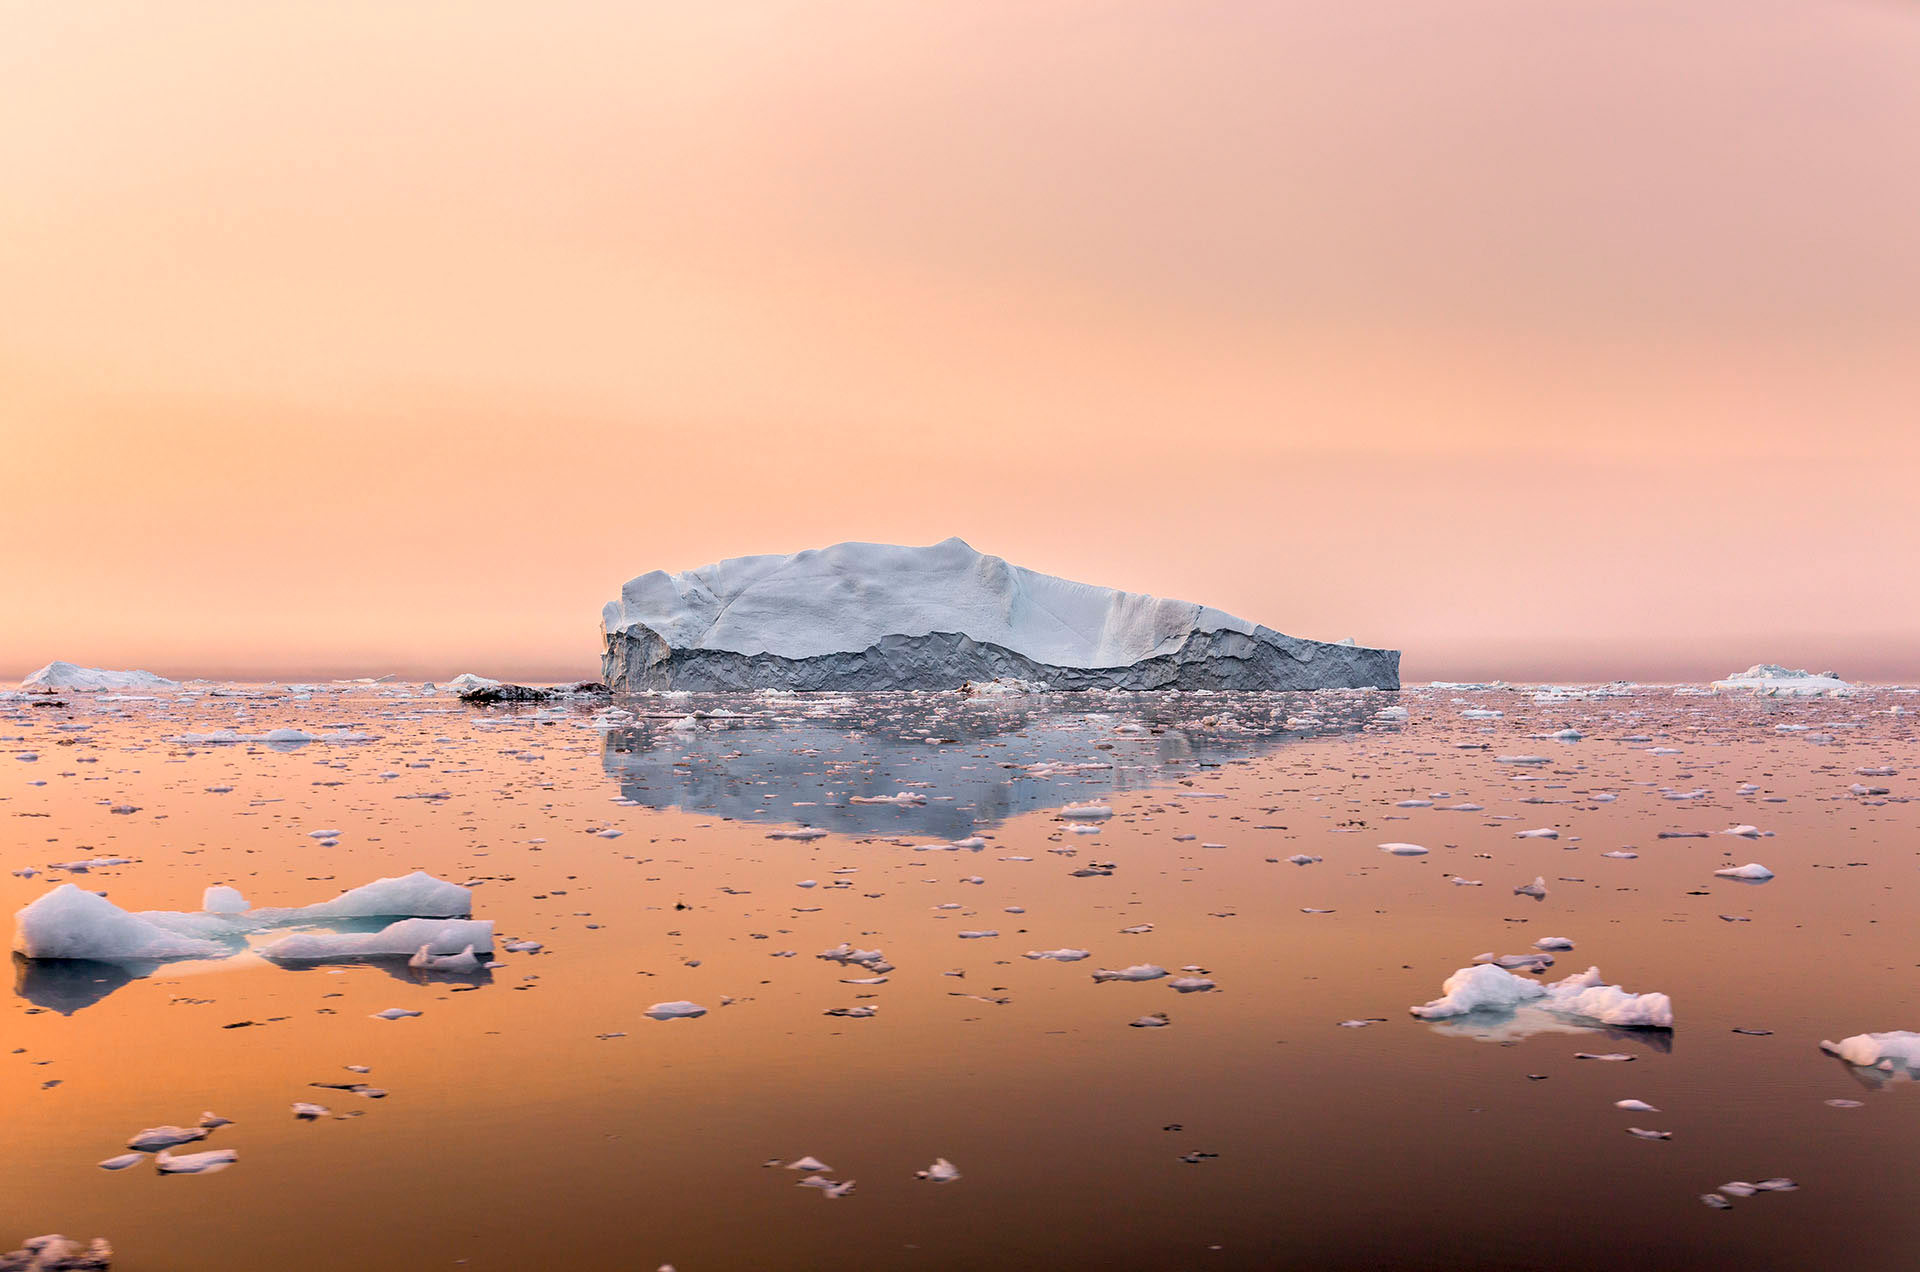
(1575, 339)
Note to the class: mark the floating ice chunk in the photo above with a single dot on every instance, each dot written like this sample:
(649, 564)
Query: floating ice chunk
(121, 1162)
(207, 1163)
(1714, 1201)
(978, 934)
(1511, 961)
(466, 961)
(803, 833)
(1156, 1020)
(1544, 832)
(1744, 831)
(221, 899)
(941, 1172)
(306, 1112)
(1485, 987)
(813, 1164)
(1553, 943)
(1190, 984)
(466, 682)
(681, 1010)
(213, 1121)
(394, 1013)
(1138, 972)
(72, 923)
(1459, 882)
(1537, 889)
(1482, 987)
(1058, 956)
(409, 939)
(1871, 1049)
(1093, 812)
(1528, 760)
(1621, 854)
(155, 1138)
(1752, 870)
(1302, 859)
(1639, 1132)
(1635, 1106)
(1404, 850)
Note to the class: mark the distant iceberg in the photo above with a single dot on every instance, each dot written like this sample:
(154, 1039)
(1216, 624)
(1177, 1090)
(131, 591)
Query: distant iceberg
(865, 616)
(65, 677)
(1773, 681)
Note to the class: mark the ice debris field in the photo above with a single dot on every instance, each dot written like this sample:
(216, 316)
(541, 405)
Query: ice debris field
(823, 979)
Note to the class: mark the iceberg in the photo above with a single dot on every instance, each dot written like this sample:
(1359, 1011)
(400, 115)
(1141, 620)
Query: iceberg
(1773, 681)
(64, 677)
(865, 616)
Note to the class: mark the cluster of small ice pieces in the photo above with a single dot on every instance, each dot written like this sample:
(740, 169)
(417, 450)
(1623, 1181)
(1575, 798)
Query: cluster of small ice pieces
(816, 1174)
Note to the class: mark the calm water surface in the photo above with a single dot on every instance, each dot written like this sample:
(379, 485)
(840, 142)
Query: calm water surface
(537, 1119)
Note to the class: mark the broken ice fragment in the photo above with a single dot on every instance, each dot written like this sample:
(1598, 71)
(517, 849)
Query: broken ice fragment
(680, 1010)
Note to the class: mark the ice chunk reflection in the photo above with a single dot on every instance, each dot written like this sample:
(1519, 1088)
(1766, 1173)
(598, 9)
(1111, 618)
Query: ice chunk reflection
(815, 760)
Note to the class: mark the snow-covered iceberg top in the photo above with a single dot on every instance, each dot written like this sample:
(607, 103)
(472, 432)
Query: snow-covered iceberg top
(1771, 680)
(1485, 987)
(65, 677)
(878, 616)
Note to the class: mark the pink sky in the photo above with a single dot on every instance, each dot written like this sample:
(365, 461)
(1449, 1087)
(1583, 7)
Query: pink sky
(1577, 339)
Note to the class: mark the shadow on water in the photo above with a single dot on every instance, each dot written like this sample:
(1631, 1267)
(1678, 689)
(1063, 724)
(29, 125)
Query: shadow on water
(67, 985)
(802, 761)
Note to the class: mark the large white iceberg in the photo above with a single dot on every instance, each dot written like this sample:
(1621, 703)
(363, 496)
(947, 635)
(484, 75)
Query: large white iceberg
(1774, 681)
(1487, 988)
(867, 616)
(65, 677)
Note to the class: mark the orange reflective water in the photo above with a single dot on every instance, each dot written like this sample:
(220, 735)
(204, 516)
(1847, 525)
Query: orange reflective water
(537, 1118)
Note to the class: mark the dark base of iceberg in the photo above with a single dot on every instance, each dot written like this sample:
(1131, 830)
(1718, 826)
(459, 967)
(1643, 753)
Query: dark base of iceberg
(638, 660)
